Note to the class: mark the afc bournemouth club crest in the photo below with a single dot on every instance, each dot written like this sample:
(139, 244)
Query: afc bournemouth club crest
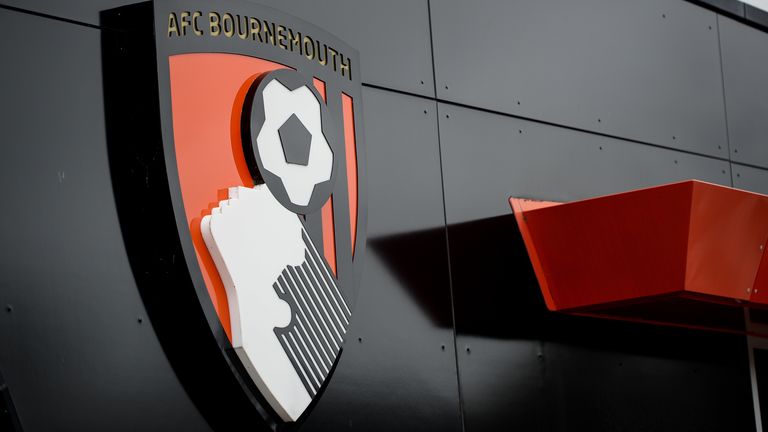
(236, 150)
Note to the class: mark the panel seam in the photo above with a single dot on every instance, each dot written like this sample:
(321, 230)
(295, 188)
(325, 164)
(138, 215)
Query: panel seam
(557, 125)
(725, 99)
(49, 16)
(445, 222)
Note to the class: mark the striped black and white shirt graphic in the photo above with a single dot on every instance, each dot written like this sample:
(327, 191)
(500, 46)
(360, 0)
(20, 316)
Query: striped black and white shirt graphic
(288, 315)
(320, 317)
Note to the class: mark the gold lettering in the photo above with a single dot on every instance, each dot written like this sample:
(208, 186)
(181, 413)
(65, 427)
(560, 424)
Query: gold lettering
(184, 20)
(281, 36)
(294, 40)
(345, 66)
(227, 19)
(323, 60)
(173, 26)
(309, 44)
(255, 28)
(242, 27)
(269, 32)
(333, 55)
(195, 23)
(214, 19)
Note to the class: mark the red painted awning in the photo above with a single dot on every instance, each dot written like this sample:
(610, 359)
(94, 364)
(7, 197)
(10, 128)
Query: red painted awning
(689, 254)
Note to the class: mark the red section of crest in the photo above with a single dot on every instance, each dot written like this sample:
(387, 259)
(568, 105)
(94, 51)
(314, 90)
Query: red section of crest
(329, 235)
(689, 254)
(350, 147)
(329, 225)
(207, 94)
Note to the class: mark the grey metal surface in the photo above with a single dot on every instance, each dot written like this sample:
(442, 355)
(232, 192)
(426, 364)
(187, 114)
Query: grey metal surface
(398, 370)
(745, 68)
(392, 37)
(84, 11)
(643, 70)
(78, 352)
(402, 138)
(749, 178)
(488, 157)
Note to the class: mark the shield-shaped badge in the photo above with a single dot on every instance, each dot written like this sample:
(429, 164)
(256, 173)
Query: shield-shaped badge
(237, 158)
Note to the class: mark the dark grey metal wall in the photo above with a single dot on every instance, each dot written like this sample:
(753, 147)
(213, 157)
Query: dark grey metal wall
(466, 103)
(76, 349)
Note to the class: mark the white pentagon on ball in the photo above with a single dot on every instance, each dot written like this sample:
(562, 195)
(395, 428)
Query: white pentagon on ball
(279, 104)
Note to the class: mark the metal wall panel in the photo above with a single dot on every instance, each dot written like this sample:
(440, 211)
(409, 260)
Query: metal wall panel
(642, 70)
(398, 369)
(489, 157)
(84, 11)
(392, 37)
(78, 351)
(749, 178)
(745, 70)
(522, 367)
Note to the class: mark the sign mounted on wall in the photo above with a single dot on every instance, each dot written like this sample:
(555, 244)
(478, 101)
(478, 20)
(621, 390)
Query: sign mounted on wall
(236, 151)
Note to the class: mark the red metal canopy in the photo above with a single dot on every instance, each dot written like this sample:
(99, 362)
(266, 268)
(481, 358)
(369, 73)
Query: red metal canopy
(688, 254)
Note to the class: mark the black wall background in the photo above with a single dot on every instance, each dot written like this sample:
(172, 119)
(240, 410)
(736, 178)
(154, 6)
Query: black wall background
(465, 104)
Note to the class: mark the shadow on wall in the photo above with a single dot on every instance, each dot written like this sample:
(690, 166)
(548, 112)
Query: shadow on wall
(496, 294)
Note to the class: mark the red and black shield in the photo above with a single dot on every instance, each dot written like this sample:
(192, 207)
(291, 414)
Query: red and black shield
(237, 156)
